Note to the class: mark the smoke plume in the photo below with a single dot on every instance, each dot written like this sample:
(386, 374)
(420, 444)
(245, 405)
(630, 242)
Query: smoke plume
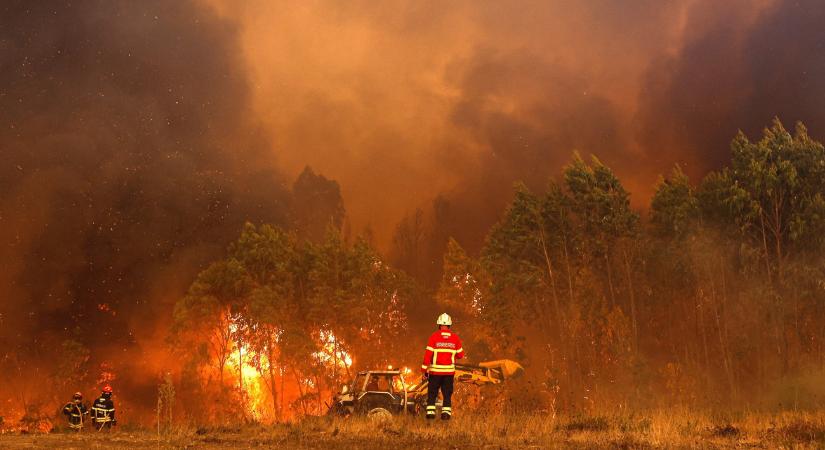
(408, 100)
(137, 137)
(128, 159)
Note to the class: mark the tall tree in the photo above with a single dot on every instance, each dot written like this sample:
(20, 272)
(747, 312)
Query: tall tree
(601, 206)
(409, 245)
(774, 191)
(213, 301)
(773, 195)
(674, 206)
(317, 205)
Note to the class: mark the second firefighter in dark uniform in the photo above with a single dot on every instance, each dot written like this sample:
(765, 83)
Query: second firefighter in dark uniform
(443, 348)
(103, 410)
(76, 412)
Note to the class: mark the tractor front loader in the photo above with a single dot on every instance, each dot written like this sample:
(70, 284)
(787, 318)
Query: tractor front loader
(488, 372)
(382, 393)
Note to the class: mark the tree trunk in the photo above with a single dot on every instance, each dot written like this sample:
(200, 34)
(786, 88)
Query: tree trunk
(701, 319)
(271, 372)
(552, 277)
(300, 391)
(283, 377)
(722, 344)
(765, 248)
(632, 302)
(563, 230)
(319, 388)
(335, 360)
(777, 233)
(240, 367)
(609, 277)
(733, 381)
(221, 367)
(222, 350)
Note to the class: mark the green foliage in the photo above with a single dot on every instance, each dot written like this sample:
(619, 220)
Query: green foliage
(674, 207)
(549, 266)
(266, 254)
(461, 289)
(600, 202)
(298, 305)
(773, 191)
(514, 259)
(464, 293)
(729, 274)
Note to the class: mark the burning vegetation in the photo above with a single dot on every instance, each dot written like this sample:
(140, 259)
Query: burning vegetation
(162, 232)
(286, 316)
(605, 310)
(711, 301)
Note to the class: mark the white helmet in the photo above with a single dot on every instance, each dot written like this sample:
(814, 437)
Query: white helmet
(444, 319)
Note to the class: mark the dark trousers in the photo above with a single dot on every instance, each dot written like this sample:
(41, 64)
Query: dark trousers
(443, 383)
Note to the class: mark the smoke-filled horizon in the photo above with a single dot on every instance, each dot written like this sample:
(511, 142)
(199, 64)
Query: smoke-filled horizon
(405, 101)
(137, 137)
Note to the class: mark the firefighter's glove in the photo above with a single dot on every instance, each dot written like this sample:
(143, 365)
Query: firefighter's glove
(425, 376)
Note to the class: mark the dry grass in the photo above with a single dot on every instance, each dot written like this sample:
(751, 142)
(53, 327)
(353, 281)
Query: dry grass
(662, 429)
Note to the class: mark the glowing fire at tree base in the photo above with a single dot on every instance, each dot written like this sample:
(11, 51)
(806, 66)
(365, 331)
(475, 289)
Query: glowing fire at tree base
(250, 368)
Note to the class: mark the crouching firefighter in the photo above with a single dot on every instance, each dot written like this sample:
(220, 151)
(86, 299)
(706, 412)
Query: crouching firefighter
(76, 412)
(103, 410)
(443, 348)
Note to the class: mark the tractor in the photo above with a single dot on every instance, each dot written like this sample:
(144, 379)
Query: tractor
(383, 393)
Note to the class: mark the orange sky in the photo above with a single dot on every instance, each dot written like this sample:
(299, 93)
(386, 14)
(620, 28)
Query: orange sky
(368, 93)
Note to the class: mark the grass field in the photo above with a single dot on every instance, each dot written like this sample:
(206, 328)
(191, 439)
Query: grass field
(663, 429)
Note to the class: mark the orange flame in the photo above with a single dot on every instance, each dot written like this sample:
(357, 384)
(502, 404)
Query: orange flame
(253, 385)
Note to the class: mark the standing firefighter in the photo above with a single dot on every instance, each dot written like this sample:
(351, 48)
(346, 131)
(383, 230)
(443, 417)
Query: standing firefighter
(443, 348)
(75, 411)
(103, 409)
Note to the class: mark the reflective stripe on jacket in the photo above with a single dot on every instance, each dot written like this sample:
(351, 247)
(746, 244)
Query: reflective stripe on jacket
(103, 410)
(443, 348)
(75, 412)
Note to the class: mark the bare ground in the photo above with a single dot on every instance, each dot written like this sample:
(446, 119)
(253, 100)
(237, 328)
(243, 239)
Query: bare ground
(666, 429)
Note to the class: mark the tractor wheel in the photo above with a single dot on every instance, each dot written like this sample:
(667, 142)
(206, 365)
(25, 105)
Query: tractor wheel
(379, 415)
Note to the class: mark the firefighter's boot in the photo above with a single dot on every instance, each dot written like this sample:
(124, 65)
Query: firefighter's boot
(446, 413)
(430, 412)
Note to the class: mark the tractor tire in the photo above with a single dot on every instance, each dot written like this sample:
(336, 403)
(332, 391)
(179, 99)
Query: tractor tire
(379, 415)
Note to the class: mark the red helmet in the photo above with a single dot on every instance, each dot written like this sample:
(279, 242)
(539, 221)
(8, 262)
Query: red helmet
(107, 389)
(77, 396)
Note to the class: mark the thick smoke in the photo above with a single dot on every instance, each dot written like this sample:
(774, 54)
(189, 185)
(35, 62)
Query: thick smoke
(127, 161)
(408, 100)
(736, 70)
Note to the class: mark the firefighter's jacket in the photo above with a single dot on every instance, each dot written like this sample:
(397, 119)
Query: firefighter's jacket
(103, 410)
(75, 412)
(443, 348)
